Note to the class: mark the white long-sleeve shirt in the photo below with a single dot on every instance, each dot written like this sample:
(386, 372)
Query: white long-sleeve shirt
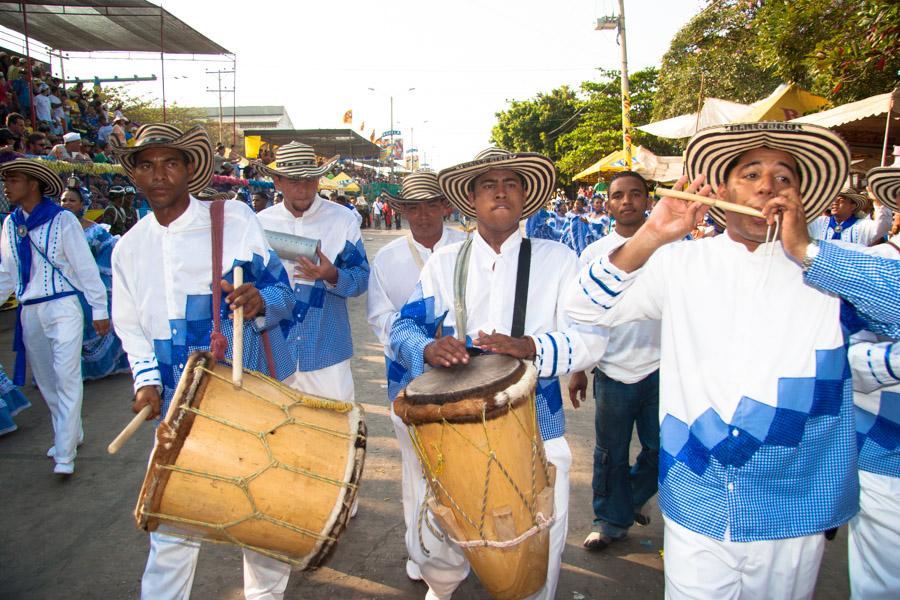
(633, 350)
(62, 240)
(562, 346)
(392, 281)
(863, 232)
(756, 414)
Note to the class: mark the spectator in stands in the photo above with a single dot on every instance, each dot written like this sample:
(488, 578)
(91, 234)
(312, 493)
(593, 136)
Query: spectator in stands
(260, 201)
(70, 149)
(118, 131)
(42, 102)
(36, 144)
(58, 116)
(7, 145)
(16, 124)
(104, 130)
(100, 155)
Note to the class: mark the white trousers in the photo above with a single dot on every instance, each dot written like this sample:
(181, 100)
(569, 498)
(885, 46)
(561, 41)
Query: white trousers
(53, 334)
(411, 475)
(169, 573)
(445, 567)
(334, 382)
(874, 542)
(698, 567)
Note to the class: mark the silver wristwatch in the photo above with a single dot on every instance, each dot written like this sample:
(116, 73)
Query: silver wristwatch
(812, 251)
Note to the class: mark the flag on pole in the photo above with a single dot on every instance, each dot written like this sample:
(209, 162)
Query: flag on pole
(372, 136)
(252, 144)
(348, 117)
(362, 126)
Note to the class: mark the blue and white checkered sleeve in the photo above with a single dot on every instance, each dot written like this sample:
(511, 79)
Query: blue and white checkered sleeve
(416, 327)
(870, 284)
(875, 365)
(272, 282)
(353, 270)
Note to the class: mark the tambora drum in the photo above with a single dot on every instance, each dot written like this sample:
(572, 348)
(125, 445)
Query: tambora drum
(475, 430)
(262, 466)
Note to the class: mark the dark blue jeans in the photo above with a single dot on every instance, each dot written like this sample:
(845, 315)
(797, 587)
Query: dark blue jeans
(620, 489)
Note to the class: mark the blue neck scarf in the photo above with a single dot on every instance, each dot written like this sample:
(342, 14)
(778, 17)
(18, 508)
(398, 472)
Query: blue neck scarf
(833, 224)
(42, 213)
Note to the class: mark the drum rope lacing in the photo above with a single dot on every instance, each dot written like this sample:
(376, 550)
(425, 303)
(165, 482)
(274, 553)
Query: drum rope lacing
(539, 520)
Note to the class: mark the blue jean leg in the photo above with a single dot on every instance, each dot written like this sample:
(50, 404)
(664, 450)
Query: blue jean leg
(618, 488)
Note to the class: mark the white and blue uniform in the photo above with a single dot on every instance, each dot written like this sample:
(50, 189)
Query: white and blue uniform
(320, 337)
(562, 347)
(758, 447)
(52, 321)
(395, 272)
(162, 307)
(854, 230)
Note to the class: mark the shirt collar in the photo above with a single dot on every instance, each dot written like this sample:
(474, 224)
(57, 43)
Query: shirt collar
(185, 219)
(443, 241)
(510, 245)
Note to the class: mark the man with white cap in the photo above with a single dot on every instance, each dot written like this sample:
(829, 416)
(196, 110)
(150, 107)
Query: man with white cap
(395, 272)
(874, 540)
(167, 303)
(320, 338)
(758, 448)
(47, 262)
(499, 189)
(849, 220)
(70, 149)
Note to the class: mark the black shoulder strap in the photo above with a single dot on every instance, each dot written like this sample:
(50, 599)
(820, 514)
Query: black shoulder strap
(521, 302)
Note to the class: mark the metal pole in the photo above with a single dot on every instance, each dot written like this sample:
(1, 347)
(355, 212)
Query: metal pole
(28, 74)
(887, 129)
(162, 60)
(391, 153)
(221, 123)
(234, 101)
(626, 93)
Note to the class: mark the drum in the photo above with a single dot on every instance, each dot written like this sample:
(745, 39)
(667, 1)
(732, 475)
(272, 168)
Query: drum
(475, 430)
(262, 466)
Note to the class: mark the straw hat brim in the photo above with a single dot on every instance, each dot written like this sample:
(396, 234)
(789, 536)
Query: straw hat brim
(860, 200)
(299, 172)
(33, 168)
(885, 185)
(823, 159)
(536, 170)
(213, 194)
(194, 143)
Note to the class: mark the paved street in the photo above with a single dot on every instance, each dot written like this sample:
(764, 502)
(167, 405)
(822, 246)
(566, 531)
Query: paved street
(77, 538)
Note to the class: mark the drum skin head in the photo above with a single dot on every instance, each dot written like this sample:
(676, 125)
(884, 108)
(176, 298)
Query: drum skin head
(484, 375)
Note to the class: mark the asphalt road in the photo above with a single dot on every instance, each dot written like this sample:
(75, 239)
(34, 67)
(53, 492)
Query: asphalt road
(76, 538)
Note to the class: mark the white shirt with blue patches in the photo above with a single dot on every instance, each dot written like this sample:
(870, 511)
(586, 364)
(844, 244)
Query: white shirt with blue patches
(863, 231)
(320, 336)
(876, 385)
(393, 280)
(162, 293)
(562, 346)
(756, 407)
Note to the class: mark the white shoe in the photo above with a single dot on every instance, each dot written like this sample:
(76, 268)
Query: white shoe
(413, 571)
(51, 452)
(64, 468)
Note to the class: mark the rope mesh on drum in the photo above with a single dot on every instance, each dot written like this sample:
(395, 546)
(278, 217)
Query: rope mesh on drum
(539, 521)
(298, 398)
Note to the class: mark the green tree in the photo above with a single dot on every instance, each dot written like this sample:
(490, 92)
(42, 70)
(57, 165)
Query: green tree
(534, 125)
(714, 55)
(149, 110)
(844, 50)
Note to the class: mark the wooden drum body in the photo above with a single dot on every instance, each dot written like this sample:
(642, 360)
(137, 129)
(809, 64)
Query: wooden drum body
(262, 466)
(475, 430)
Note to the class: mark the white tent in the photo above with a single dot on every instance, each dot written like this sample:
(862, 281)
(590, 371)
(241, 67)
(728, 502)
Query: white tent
(714, 112)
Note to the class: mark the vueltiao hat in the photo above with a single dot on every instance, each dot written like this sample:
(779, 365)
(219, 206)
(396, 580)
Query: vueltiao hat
(885, 185)
(823, 159)
(296, 161)
(194, 142)
(419, 186)
(537, 171)
(52, 185)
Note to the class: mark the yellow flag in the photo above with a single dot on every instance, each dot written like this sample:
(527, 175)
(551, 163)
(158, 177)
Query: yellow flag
(348, 117)
(251, 146)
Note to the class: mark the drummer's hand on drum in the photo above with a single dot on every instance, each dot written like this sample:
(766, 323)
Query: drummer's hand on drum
(247, 296)
(147, 396)
(446, 352)
(499, 343)
(577, 388)
(325, 270)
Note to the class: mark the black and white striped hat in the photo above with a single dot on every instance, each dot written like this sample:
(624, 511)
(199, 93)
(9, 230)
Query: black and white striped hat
(537, 171)
(420, 186)
(860, 200)
(823, 159)
(51, 184)
(211, 193)
(194, 142)
(885, 185)
(296, 161)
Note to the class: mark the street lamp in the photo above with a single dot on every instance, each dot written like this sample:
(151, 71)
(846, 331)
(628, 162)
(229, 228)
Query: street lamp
(609, 23)
(412, 89)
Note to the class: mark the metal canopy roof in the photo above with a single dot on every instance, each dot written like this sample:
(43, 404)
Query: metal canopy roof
(103, 26)
(326, 142)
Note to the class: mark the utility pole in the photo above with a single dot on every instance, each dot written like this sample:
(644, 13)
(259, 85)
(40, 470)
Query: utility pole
(391, 154)
(220, 90)
(618, 23)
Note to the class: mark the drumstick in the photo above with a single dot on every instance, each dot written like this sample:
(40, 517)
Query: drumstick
(722, 204)
(129, 430)
(237, 363)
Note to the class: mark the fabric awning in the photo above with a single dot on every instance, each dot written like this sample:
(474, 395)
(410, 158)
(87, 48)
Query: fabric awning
(714, 112)
(106, 26)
